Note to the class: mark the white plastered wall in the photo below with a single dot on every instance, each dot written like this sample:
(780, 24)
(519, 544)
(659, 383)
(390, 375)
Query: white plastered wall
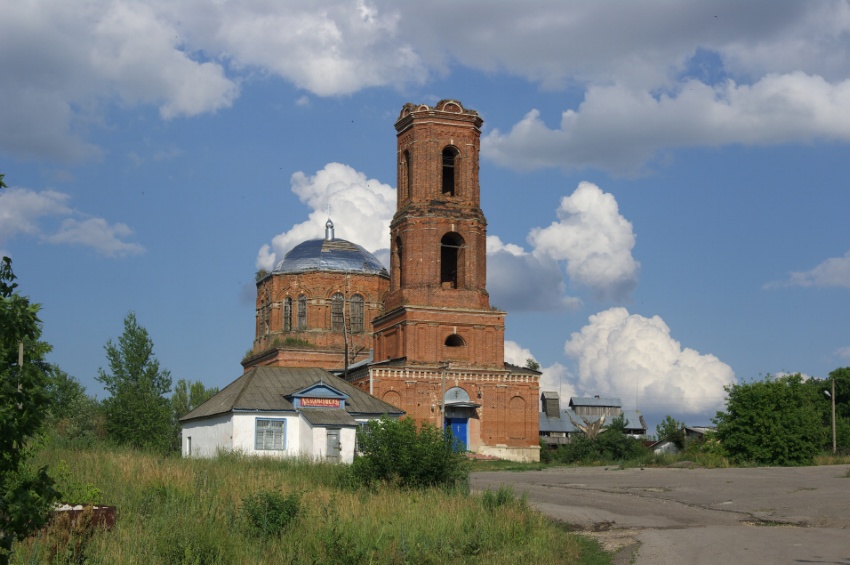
(244, 433)
(207, 436)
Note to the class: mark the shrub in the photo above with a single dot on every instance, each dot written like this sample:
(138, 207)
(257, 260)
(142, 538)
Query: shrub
(771, 422)
(504, 496)
(397, 452)
(611, 445)
(268, 513)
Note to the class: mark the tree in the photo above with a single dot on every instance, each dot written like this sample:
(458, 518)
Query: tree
(673, 430)
(771, 422)
(25, 493)
(842, 406)
(532, 364)
(186, 397)
(397, 452)
(137, 412)
(73, 415)
(189, 395)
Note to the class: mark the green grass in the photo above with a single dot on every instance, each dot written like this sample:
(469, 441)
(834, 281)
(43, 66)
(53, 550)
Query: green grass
(173, 510)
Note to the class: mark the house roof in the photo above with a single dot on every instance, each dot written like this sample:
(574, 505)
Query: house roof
(634, 420)
(264, 389)
(328, 417)
(567, 419)
(595, 401)
(562, 423)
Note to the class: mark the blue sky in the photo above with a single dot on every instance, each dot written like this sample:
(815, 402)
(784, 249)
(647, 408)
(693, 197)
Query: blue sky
(664, 184)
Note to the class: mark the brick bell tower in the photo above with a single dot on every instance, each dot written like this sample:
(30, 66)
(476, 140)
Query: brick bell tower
(437, 309)
(439, 346)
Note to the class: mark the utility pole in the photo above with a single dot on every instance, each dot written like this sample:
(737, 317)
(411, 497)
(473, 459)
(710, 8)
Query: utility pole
(834, 446)
(443, 368)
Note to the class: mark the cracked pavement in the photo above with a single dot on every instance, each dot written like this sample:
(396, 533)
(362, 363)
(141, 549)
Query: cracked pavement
(697, 516)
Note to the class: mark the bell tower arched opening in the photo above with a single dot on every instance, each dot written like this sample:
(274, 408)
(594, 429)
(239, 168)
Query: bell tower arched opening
(451, 260)
(449, 171)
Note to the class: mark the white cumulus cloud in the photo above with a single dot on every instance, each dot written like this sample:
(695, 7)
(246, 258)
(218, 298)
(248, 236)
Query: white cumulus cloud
(28, 212)
(618, 128)
(618, 353)
(594, 239)
(98, 234)
(834, 271)
(518, 280)
(361, 210)
(777, 72)
(555, 377)
(63, 61)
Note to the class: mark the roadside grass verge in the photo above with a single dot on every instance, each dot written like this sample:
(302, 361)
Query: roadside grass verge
(173, 510)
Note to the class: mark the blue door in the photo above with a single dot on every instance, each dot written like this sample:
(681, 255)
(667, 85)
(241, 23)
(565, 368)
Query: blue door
(458, 428)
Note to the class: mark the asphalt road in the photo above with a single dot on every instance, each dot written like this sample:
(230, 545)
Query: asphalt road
(762, 515)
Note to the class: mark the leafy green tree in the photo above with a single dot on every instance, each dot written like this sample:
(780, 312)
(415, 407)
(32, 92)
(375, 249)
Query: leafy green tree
(137, 413)
(604, 444)
(188, 395)
(25, 493)
(771, 422)
(673, 430)
(842, 406)
(397, 452)
(532, 364)
(74, 415)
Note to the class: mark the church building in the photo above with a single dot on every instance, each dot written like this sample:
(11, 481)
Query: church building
(423, 337)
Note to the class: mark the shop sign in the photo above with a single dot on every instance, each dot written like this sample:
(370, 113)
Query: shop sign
(320, 402)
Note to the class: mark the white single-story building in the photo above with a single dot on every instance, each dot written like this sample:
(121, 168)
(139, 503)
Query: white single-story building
(283, 412)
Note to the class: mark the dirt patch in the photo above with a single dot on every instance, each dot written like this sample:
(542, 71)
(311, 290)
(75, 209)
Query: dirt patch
(622, 543)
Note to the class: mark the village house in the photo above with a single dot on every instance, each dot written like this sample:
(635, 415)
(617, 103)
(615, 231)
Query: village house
(583, 415)
(283, 412)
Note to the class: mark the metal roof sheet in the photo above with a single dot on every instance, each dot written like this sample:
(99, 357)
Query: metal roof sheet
(563, 423)
(595, 401)
(328, 417)
(566, 421)
(634, 420)
(265, 389)
(336, 255)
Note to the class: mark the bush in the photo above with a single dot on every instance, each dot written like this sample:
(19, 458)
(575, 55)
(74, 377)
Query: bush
(611, 445)
(771, 422)
(395, 451)
(504, 496)
(268, 513)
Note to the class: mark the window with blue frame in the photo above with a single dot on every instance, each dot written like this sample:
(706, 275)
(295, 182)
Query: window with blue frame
(270, 434)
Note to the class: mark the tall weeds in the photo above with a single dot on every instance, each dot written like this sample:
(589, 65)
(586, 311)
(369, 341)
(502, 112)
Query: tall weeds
(173, 510)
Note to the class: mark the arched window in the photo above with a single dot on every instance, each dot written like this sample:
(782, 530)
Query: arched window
(302, 313)
(451, 260)
(337, 312)
(449, 157)
(407, 179)
(355, 311)
(454, 340)
(287, 314)
(399, 262)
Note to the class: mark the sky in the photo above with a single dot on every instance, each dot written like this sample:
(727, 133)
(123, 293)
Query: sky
(664, 182)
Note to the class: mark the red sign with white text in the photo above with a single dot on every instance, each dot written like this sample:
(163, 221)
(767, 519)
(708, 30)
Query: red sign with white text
(320, 402)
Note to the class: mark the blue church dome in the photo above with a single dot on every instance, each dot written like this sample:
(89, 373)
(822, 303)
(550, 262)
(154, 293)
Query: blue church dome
(329, 254)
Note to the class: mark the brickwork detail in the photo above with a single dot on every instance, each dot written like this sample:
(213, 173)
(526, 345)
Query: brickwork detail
(313, 343)
(432, 327)
(437, 321)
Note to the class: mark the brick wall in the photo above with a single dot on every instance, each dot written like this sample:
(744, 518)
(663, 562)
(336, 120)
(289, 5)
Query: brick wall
(318, 287)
